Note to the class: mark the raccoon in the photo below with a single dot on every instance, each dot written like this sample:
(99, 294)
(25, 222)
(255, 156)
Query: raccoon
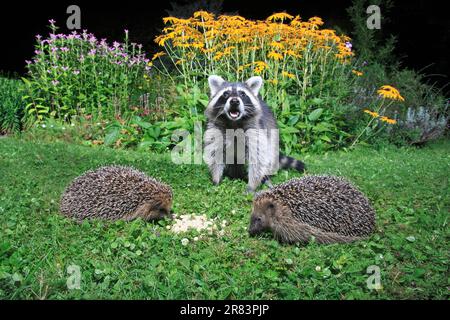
(236, 111)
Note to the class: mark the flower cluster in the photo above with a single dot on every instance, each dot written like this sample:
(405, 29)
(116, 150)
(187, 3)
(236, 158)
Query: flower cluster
(78, 73)
(281, 48)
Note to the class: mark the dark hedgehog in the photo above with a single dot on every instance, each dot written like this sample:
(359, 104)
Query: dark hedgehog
(328, 208)
(116, 192)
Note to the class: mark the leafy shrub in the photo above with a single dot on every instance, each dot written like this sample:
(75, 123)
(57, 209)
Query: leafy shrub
(11, 106)
(307, 69)
(79, 74)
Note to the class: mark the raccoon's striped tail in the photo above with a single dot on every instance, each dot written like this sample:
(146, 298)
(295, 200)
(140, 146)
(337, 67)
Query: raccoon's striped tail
(291, 163)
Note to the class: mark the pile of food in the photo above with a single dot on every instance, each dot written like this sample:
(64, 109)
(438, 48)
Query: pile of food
(200, 223)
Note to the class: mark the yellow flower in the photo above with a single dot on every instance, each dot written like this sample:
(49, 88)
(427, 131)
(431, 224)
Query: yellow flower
(372, 114)
(287, 75)
(390, 92)
(204, 15)
(316, 20)
(357, 73)
(277, 45)
(280, 16)
(157, 55)
(218, 56)
(274, 55)
(260, 66)
(292, 53)
(175, 20)
(388, 120)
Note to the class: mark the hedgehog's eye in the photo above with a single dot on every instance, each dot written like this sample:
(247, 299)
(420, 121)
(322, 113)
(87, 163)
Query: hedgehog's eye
(271, 206)
(226, 94)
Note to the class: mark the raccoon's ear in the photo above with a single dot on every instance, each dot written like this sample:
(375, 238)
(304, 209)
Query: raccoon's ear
(215, 83)
(254, 84)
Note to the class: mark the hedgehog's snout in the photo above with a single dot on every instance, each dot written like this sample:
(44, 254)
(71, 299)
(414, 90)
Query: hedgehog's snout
(256, 225)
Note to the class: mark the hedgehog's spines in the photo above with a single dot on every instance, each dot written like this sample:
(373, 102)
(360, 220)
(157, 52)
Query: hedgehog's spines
(114, 192)
(327, 207)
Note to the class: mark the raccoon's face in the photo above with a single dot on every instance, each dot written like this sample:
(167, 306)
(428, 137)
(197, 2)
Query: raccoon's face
(234, 101)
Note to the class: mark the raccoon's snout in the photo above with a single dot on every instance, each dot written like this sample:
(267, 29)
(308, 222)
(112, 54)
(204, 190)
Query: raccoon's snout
(234, 108)
(234, 102)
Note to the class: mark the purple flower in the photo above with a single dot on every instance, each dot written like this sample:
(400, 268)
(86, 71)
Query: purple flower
(54, 49)
(348, 45)
(27, 61)
(55, 82)
(92, 52)
(65, 68)
(64, 49)
(38, 36)
(37, 52)
(76, 72)
(126, 31)
(52, 21)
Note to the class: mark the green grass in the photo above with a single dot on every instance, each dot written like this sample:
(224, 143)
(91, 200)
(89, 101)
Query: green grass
(11, 105)
(408, 187)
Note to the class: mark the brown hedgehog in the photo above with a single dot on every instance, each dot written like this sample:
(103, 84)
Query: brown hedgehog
(328, 208)
(116, 192)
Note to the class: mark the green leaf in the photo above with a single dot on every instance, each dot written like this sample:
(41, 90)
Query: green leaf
(112, 136)
(325, 138)
(313, 116)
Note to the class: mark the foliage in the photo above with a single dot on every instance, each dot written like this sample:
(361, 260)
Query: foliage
(139, 130)
(11, 106)
(141, 260)
(78, 74)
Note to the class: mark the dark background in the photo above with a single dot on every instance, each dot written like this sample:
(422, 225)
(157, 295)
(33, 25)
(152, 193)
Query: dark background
(421, 26)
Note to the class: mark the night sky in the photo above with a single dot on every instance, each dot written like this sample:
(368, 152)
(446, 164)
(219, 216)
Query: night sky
(422, 26)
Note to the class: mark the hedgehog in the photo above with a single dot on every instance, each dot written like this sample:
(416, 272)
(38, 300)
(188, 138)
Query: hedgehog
(116, 193)
(327, 208)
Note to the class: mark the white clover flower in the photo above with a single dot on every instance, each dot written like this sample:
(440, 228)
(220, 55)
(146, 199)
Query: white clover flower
(195, 238)
(318, 268)
(43, 126)
(184, 241)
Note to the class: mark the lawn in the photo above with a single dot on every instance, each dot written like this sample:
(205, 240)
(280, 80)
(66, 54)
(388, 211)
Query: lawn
(408, 187)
